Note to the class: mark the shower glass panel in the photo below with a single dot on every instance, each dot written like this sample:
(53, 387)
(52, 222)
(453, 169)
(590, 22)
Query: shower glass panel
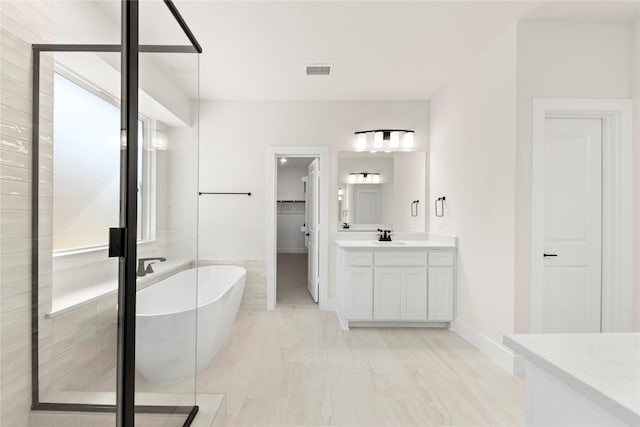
(168, 207)
(78, 197)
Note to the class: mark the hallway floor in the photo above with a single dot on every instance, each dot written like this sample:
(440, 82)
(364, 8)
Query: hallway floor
(291, 282)
(295, 366)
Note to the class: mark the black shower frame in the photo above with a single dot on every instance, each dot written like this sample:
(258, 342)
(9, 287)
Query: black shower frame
(125, 407)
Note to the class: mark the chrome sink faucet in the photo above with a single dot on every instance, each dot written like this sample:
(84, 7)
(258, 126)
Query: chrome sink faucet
(142, 271)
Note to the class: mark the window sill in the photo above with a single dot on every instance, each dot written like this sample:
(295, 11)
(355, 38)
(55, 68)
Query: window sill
(73, 258)
(80, 297)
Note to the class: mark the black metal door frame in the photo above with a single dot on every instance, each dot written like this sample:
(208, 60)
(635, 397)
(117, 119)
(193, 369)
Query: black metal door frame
(125, 407)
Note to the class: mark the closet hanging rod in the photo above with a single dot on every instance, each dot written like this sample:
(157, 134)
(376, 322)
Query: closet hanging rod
(200, 193)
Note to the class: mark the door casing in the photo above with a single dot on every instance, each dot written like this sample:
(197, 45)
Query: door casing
(617, 200)
(322, 153)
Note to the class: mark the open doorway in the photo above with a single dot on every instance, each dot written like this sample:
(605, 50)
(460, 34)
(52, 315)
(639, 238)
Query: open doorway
(318, 239)
(296, 235)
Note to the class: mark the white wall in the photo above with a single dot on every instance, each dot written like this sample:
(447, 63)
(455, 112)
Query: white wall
(290, 238)
(290, 185)
(635, 43)
(560, 60)
(407, 185)
(179, 232)
(234, 138)
(473, 127)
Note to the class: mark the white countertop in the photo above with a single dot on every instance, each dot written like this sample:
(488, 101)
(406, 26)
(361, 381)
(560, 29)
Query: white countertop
(397, 244)
(605, 368)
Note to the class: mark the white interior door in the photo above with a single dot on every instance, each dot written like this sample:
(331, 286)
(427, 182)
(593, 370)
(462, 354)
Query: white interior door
(567, 295)
(305, 228)
(368, 206)
(313, 227)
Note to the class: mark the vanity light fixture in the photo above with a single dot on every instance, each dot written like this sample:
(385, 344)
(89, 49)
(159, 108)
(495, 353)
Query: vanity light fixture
(365, 177)
(394, 141)
(378, 139)
(408, 140)
(386, 140)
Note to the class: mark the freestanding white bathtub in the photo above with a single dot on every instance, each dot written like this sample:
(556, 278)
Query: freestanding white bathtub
(166, 321)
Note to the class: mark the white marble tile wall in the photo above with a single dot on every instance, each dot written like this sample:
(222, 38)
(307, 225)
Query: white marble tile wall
(21, 24)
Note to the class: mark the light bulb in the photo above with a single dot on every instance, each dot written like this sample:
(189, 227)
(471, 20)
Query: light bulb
(408, 140)
(377, 139)
(394, 142)
(283, 160)
(361, 141)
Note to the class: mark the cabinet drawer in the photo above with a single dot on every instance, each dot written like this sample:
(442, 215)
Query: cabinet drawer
(401, 258)
(440, 258)
(359, 258)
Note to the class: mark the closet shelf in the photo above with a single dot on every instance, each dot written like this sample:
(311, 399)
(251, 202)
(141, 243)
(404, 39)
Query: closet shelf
(291, 207)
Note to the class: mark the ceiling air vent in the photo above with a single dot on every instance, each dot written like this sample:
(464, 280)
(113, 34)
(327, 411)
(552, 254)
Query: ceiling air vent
(318, 70)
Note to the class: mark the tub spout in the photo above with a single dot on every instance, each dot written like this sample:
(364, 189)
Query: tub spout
(141, 272)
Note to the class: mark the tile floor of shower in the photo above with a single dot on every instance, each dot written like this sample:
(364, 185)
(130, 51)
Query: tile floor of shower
(295, 366)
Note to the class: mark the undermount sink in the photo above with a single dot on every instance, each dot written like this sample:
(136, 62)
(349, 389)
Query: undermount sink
(392, 243)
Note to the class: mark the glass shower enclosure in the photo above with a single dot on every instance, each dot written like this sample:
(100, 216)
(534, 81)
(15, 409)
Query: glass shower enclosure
(114, 216)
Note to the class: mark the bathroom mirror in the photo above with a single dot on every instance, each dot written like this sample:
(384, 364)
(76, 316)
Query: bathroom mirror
(381, 190)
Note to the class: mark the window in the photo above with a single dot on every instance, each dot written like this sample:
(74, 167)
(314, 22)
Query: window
(86, 167)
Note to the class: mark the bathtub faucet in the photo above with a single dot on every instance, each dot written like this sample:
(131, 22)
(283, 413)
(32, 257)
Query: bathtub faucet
(144, 271)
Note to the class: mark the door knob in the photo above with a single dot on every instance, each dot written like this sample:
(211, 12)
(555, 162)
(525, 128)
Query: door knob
(546, 255)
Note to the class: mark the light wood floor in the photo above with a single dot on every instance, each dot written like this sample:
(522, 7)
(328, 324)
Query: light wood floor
(291, 283)
(295, 366)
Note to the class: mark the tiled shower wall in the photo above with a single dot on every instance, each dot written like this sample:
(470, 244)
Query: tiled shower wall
(22, 23)
(77, 347)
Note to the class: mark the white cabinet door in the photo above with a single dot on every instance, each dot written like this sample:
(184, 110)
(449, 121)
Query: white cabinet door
(359, 285)
(386, 293)
(414, 293)
(440, 293)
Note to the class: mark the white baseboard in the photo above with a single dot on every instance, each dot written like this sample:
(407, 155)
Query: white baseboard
(501, 355)
(343, 322)
(329, 305)
(519, 365)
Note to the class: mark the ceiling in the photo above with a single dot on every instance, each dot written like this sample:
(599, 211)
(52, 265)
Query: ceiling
(296, 163)
(380, 50)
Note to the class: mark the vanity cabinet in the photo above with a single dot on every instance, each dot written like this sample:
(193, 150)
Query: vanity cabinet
(386, 293)
(440, 294)
(413, 293)
(400, 293)
(399, 285)
(359, 293)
